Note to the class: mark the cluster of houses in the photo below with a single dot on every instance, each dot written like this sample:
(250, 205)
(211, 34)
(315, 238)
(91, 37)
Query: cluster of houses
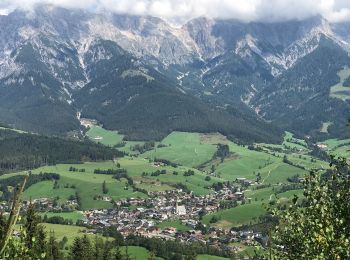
(143, 216)
(49, 204)
(138, 213)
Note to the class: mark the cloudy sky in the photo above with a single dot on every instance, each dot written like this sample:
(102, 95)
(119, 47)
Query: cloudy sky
(181, 10)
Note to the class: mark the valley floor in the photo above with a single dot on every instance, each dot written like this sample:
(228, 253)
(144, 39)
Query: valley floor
(178, 188)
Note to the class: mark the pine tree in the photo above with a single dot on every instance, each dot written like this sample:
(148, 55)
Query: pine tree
(107, 251)
(2, 226)
(82, 249)
(30, 225)
(35, 236)
(76, 251)
(99, 246)
(53, 251)
(104, 188)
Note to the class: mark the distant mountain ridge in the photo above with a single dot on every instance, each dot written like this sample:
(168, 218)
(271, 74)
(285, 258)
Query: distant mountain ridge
(55, 62)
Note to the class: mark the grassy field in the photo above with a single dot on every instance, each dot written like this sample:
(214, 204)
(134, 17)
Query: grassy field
(246, 252)
(87, 184)
(291, 142)
(334, 143)
(61, 231)
(68, 231)
(174, 223)
(248, 163)
(338, 147)
(74, 216)
(136, 166)
(264, 194)
(45, 190)
(339, 90)
(103, 136)
(187, 149)
(324, 127)
(210, 257)
(137, 252)
(241, 215)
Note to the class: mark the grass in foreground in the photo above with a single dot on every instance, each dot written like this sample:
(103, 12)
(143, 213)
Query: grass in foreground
(137, 252)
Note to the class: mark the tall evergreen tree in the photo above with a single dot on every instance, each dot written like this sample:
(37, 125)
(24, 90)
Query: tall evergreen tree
(35, 236)
(104, 188)
(82, 249)
(107, 251)
(53, 250)
(98, 250)
(2, 226)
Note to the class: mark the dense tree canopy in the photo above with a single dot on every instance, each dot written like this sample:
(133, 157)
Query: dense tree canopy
(28, 151)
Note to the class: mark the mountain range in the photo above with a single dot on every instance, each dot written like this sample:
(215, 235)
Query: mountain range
(145, 77)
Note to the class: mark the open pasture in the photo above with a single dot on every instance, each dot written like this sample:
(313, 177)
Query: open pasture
(241, 215)
(339, 90)
(74, 216)
(86, 184)
(210, 257)
(137, 252)
(103, 136)
(184, 148)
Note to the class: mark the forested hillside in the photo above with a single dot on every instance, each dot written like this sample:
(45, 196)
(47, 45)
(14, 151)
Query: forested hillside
(19, 151)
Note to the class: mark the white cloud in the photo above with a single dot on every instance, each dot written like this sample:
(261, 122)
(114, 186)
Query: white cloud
(4, 11)
(246, 10)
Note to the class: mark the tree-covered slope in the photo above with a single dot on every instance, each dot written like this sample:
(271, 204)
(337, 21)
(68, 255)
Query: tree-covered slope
(20, 151)
(129, 96)
(301, 99)
(34, 100)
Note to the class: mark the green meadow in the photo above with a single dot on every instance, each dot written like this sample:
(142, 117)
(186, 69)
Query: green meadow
(337, 147)
(86, 184)
(137, 252)
(248, 163)
(241, 215)
(103, 136)
(210, 257)
(191, 151)
(74, 216)
(187, 149)
(174, 223)
(339, 90)
(70, 232)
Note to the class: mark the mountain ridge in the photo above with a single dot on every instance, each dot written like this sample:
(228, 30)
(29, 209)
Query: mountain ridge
(219, 62)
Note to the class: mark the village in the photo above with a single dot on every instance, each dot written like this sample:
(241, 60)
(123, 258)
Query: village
(143, 216)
